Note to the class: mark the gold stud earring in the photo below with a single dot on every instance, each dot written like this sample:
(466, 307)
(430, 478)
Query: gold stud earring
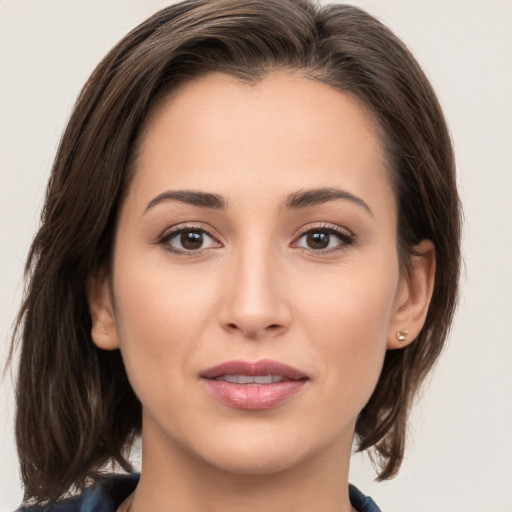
(402, 335)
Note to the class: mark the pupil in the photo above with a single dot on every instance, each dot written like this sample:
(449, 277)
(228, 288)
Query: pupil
(318, 240)
(191, 239)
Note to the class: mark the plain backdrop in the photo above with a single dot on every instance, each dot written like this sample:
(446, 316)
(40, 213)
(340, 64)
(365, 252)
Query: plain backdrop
(460, 445)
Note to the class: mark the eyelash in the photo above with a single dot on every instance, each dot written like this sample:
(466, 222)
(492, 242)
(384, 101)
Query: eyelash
(164, 239)
(345, 238)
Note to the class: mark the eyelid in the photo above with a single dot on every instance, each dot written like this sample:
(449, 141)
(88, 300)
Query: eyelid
(326, 226)
(345, 236)
(172, 231)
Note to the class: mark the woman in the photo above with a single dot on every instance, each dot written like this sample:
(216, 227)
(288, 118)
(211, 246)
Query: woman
(249, 255)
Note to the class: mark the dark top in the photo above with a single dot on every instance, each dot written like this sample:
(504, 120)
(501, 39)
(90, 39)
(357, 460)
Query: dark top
(109, 493)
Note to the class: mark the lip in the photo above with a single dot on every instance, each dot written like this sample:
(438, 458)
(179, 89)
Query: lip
(254, 396)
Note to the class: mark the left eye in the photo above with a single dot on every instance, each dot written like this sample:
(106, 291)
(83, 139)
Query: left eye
(189, 240)
(320, 239)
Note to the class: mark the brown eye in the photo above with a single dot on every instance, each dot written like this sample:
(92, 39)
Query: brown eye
(188, 240)
(317, 239)
(324, 238)
(191, 240)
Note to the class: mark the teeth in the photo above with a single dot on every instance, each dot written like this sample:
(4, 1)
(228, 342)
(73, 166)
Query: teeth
(251, 379)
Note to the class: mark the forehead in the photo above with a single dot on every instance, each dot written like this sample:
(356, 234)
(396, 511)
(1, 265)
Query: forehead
(282, 96)
(283, 131)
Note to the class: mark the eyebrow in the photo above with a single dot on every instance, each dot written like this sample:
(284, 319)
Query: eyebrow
(300, 199)
(306, 198)
(201, 199)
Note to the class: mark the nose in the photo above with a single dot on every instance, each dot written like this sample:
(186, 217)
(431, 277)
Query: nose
(255, 299)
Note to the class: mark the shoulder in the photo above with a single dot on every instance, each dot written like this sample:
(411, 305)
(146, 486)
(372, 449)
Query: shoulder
(361, 502)
(104, 496)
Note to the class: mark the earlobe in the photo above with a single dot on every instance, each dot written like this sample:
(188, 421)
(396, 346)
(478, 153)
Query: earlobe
(413, 297)
(104, 329)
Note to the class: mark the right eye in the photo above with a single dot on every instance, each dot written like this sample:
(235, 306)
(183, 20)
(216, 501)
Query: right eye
(188, 240)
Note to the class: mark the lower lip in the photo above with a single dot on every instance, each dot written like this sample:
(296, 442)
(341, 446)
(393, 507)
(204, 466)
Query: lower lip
(254, 396)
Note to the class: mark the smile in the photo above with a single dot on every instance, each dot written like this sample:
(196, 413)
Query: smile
(254, 386)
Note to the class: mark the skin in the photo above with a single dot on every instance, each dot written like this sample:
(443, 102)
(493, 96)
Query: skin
(256, 289)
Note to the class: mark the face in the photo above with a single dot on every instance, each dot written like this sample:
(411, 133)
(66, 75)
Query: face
(255, 285)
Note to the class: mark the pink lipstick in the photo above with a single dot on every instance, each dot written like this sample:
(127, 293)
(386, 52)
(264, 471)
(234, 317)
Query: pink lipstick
(254, 385)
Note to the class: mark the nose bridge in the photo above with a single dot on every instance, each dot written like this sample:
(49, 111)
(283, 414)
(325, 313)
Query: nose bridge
(255, 303)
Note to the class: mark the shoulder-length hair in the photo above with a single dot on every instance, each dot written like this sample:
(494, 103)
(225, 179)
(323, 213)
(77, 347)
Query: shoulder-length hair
(76, 411)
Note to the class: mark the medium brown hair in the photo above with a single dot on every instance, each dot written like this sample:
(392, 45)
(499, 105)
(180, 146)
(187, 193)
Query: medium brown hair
(76, 411)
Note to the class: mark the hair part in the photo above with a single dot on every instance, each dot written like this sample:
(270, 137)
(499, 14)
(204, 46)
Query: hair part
(76, 411)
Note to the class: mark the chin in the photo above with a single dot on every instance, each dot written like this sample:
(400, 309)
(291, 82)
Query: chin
(260, 453)
(264, 462)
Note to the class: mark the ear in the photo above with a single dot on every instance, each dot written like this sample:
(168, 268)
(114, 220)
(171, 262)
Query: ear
(413, 297)
(104, 329)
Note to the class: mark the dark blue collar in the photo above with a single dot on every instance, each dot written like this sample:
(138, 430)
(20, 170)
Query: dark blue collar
(361, 502)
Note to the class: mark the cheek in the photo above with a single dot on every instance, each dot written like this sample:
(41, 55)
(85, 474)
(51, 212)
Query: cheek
(348, 317)
(160, 316)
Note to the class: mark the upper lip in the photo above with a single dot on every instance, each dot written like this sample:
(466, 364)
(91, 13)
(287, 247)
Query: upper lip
(257, 368)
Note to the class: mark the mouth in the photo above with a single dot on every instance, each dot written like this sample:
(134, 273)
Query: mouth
(254, 385)
(250, 379)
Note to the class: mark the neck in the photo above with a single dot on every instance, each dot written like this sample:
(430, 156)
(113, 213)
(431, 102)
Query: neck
(173, 479)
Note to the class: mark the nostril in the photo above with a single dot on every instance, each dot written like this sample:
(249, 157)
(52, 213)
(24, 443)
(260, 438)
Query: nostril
(271, 328)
